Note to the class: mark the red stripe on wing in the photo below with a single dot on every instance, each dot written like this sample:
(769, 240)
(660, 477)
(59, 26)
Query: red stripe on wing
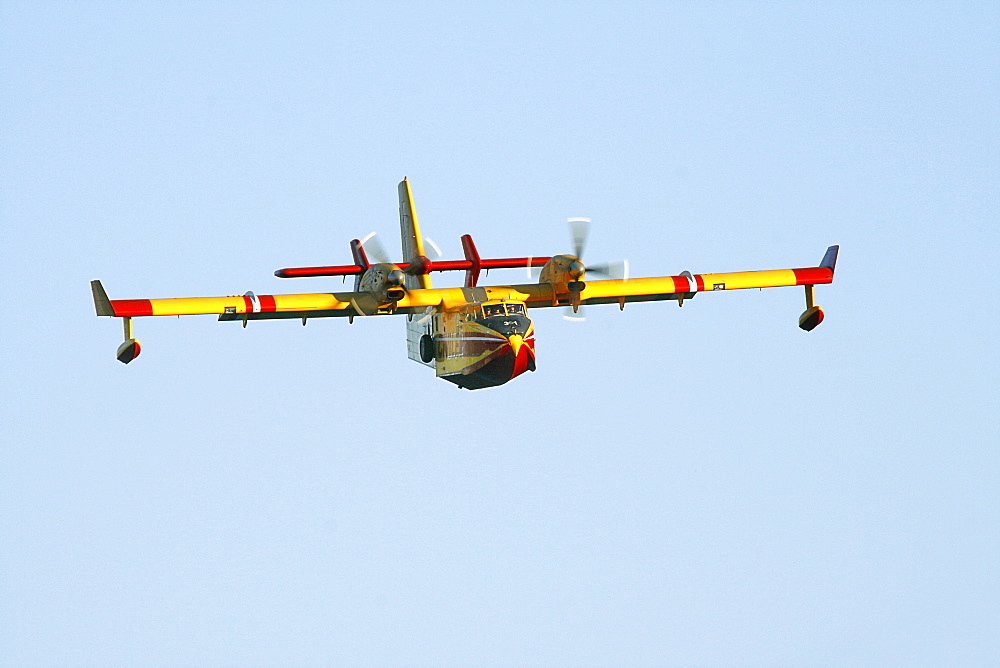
(127, 308)
(813, 275)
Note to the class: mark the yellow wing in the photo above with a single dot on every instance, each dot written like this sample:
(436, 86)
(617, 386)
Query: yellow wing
(248, 306)
(333, 304)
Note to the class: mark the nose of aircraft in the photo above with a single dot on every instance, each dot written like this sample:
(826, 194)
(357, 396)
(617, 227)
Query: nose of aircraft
(516, 341)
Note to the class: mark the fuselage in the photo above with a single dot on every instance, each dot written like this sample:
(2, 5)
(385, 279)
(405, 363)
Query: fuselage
(484, 345)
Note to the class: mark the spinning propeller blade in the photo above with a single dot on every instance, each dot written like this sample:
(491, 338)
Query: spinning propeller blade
(579, 229)
(374, 247)
(618, 270)
(365, 304)
(434, 247)
(428, 312)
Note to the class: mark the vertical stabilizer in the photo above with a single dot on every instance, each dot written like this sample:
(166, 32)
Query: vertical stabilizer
(101, 301)
(413, 243)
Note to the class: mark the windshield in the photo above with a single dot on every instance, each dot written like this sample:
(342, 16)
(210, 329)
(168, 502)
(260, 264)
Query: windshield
(493, 309)
(490, 310)
(505, 318)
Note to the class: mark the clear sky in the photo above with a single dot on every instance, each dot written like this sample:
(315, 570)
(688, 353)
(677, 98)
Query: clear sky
(698, 486)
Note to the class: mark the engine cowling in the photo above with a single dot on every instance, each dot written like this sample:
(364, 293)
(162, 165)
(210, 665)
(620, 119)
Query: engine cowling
(384, 281)
(564, 272)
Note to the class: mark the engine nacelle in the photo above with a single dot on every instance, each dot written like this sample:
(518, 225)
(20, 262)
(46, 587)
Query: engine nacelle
(562, 271)
(384, 281)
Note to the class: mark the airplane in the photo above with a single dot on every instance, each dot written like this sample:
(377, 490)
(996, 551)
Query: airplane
(473, 336)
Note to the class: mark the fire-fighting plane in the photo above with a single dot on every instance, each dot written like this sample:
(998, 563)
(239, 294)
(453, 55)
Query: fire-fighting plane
(474, 336)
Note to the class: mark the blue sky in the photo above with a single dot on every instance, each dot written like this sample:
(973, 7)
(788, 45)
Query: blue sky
(706, 485)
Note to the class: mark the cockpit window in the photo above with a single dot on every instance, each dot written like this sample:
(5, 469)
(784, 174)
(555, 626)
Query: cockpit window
(490, 310)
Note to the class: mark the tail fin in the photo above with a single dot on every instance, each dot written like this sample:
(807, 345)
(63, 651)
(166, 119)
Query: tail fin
(101, 302)
(830, 259)
(413, 243)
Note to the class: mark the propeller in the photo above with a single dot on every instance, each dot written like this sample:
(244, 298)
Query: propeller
(366, 304)
(375, 248)
(617, 270)
(579, 231)
(434, 247)
(425, 316)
